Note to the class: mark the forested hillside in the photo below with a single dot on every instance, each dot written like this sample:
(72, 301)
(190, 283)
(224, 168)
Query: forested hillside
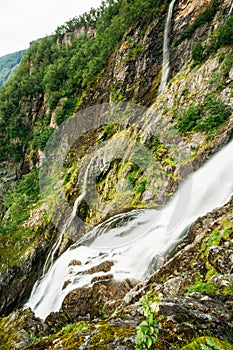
(8, 63)
(130, 145)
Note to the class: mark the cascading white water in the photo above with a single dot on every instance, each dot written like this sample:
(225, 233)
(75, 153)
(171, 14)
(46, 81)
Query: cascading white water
(230, 11)
(165, 65)
(132, 240)
(51, 255)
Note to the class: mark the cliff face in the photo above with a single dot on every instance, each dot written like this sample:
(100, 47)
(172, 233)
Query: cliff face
(141, 155)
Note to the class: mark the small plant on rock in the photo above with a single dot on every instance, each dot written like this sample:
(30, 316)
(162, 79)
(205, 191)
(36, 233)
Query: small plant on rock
(147, 331)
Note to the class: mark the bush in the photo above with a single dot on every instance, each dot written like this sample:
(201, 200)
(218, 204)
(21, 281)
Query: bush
(188, 120)
(208, 117)
(197, 53)
(225, 34)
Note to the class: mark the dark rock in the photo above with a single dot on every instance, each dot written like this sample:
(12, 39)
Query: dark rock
(56, 320)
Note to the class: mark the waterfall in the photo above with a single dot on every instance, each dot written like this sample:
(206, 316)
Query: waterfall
(230, 11)
(165, 65)
(133, 240)
(51, 255)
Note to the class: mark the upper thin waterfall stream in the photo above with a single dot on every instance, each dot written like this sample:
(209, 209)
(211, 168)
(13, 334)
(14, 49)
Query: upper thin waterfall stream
(165, 65)
(133, 240)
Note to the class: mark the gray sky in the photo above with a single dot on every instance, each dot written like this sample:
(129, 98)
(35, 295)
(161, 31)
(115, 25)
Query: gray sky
(22, 21)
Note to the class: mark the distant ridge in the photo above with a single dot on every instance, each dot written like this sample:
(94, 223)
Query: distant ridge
(8, 63)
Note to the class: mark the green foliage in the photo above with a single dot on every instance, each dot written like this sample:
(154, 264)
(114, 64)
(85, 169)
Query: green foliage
(147, 331)
(225, 34)
(207, 117)
(187, 120)
(215, 114)
(154, 143)
(204, 17)
(61, 72)
(20, 199)
(40, 137)
(197, 53)
(203, 287)
(220, 77)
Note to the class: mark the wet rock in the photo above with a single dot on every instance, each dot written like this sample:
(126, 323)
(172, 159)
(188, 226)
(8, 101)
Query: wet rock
(221, 259)
(104, 267)
(101, 278)
(75, 263)
(56, 320)
(102, 297)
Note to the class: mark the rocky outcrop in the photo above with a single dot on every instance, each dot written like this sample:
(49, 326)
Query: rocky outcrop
(16, 281)
(96, 301)
(21, 324)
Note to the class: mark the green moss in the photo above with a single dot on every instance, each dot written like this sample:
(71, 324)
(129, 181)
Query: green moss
(203, 287)
(108, 333)
(208, 343)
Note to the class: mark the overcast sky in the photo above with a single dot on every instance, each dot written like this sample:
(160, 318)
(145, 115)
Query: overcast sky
(22, 21)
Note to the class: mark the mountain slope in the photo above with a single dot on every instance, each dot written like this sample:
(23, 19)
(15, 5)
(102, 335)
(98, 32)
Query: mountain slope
(8, 63)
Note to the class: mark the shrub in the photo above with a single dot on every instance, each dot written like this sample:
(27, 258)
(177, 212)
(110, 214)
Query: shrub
(225, 34)
(197, 53)
(187, 121)
(207, 117)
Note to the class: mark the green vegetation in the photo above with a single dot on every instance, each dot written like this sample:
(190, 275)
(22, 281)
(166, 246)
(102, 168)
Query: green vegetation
(147, 331)
(204, 17)
(197, 53)
(203, 283)
(225, 34)
(207, 117)
(8, 63)
(203, 287)
(220, 77)
(207, 343)
(19, 201)
(58, 73)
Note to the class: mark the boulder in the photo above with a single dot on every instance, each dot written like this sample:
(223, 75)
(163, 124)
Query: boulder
(97, 300)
